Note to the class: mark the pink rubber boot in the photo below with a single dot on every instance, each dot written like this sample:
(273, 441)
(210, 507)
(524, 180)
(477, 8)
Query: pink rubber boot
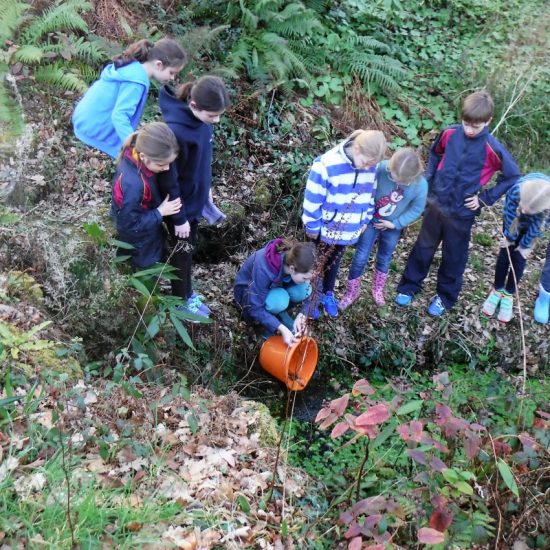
(378, 284)
(353, 290)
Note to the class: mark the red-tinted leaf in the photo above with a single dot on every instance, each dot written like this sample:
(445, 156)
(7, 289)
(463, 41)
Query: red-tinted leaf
(501, 448)
(416, 430)
(440, 519)
(339, 405)
(403, 431)
(437, 464)
(322, 414)
(443, 413)
(369, 506)
(544, 414)
(353, 530)
(418, 456)
(375, 547)
(472, 444)
(328, 421)
(346, 517)
(374, 415)
(478, 427)
(339, 429)
(362, 387)
(355, 543)
(426, 535)
(371, 521)
(440, 446)
(527, 441)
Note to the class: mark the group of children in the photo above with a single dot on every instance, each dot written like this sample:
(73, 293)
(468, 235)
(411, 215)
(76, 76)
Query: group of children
(352, 197)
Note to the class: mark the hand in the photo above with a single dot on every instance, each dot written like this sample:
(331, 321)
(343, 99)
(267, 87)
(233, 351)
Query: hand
(182, 231)
(288, 338)
(300, 324)
(383, 225)
(525, 252)
(505, 243)
(168, 207)
(472, 203)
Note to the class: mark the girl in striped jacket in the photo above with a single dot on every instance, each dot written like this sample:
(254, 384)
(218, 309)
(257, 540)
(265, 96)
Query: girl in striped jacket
(338, 205)
(526, 216)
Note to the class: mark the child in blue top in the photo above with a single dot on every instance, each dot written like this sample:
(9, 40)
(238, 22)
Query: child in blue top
(137, 206)
(338, 204)
(462, 160)
(400, 199)
(111, 109)
(526, 216)
(272, 280)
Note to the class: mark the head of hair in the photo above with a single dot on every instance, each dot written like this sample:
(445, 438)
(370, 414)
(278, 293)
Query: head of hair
(478, 107)
(371, 143)
(406, 165)
(297, 254)
(208, 93)
(534, 195)
(166, 50)
(156, 141)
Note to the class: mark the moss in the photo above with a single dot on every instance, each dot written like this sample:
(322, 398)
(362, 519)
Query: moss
(262, 196)
(264, 424)
(23, 286)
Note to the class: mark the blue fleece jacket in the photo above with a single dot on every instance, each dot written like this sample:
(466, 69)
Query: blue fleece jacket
(460, 166)
(111, 109)
(190, 175)
(399, 204)
(259, 274)
(136, 198)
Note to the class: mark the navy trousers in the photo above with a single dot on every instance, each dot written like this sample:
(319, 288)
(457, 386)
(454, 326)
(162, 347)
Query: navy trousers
(454, 235)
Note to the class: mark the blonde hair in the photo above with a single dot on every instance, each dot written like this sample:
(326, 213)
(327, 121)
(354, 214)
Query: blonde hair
(155, 140)
(406, 165)
(371, 143)
(534, 195)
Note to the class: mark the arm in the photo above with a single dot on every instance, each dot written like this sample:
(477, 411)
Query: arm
(170, 182)
(509, 174)
(129, 97)
(415, 207)
(534, 231)
(314, 198)
(510, 213)
(437, 150)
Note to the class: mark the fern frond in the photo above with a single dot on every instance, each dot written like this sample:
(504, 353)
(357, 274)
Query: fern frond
(11, 15)
(367, 42)
(318, 6)
(63, 17)
(248, 19)
(11, 119)
(29, 54)
(200, 39)
(56, 76)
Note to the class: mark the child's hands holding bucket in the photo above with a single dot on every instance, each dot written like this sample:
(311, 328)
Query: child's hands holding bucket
(287, 335)
(300, 324)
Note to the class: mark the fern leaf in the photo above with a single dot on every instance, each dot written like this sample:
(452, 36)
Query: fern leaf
(28, 54)
(59, 78)
(248, 19)
(11, 13)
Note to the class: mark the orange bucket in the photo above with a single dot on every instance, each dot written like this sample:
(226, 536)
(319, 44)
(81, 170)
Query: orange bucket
(292, 365)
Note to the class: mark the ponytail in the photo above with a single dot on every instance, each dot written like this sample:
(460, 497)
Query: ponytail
(155, 140)
(166, 50)
(208, 93)
(300, 255)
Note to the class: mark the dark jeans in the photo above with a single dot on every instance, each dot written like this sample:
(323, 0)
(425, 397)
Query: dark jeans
(504, 271)
(328, 264)
(454, 234)
(181, 259)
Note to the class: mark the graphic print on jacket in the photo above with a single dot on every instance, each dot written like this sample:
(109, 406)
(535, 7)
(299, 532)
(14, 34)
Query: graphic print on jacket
(386, 205)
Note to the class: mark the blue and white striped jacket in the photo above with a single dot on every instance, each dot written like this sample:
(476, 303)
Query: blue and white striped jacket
(525, 227)
(339, 198)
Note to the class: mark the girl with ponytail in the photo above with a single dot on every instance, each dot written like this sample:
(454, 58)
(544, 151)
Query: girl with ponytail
(111, 109)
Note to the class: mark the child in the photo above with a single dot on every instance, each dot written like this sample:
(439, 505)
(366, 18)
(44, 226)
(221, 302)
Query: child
(400, 199)
(137, 207)
(110, 110)
(462, 159)
(271, 280)
(525, 217)
(338, 204)
(190, 111)
(542, 305)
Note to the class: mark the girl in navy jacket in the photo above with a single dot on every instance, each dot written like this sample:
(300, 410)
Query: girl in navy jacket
(137, 206)
(190, 111)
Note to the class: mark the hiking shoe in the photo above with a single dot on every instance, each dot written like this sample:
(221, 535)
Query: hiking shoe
(330, 303)
(203, 308)
(491, 303)
(403, 299)
(506, 311)
(436, 307)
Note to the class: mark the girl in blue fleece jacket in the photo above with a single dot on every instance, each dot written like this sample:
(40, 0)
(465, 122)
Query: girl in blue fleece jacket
(399, 201)
(526, 216)
(111, 109)
(272, 279)
(137, 206)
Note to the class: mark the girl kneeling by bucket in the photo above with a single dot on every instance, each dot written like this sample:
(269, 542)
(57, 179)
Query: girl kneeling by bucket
(272, 280)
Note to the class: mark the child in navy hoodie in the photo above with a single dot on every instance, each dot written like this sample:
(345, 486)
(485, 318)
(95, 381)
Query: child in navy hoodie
(190, 111)
(111, 109)
(462, 159)
(137, 206)
(273, 279)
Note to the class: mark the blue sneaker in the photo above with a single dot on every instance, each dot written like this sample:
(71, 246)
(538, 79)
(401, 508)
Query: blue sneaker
(192, 305)
(436, 307)
(203, 308)
(330, 303)
(403, 299)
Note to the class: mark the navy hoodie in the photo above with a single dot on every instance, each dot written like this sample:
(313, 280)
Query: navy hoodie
(190, 175)
(459, 166)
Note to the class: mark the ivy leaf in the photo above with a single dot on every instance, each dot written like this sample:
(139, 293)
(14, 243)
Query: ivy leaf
(427, 535)
(507, 476)
(374, 415)
(410, 407)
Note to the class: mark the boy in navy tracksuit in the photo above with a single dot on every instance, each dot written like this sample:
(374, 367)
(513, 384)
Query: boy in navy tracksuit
(462, 159)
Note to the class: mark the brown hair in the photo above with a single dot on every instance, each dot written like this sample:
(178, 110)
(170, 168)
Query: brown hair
(155, 140)
(208, 93)
(478, 108)
(300, 255)
(166, 50)
(406, 165)
(372, 143)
